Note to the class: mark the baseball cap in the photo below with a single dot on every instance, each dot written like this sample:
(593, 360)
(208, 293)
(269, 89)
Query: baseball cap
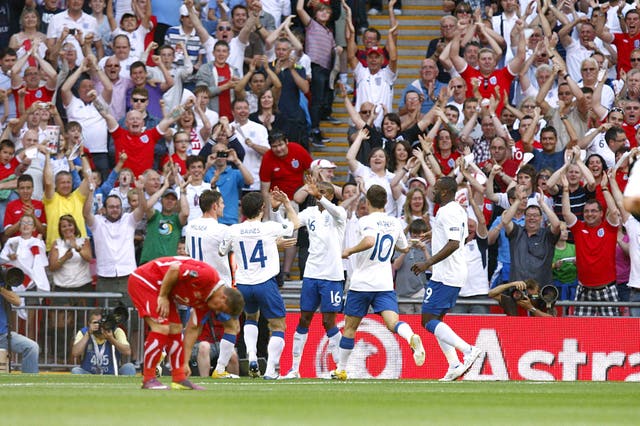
(184, 11)
(375, 49)
(323, 164)
(170, 191)
(417, 179)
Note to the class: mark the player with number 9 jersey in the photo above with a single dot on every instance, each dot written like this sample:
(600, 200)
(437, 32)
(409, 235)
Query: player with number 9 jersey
(450, 224)
(372, 268)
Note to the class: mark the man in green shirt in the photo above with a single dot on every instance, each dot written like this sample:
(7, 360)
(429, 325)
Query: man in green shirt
(164, 228)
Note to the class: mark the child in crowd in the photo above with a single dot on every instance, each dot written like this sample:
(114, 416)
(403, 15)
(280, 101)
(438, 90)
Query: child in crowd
(565, 275)
(409, 284)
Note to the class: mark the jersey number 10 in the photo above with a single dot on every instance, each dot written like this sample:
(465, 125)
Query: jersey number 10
(379, 249)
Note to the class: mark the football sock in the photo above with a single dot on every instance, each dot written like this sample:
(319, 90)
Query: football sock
(333, 347)
(176, 357)
(227, 346)
(299, 340)
(251, 339)
(443, 332)
(404, 330)
(274, 350)
(153, 346)
(449, 353)
(346, 347)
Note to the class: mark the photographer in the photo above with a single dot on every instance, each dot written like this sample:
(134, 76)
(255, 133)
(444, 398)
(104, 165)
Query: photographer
(523, 294)
(101, 345)
(19, 343)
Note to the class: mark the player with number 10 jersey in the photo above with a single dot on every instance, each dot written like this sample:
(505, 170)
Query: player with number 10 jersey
(372, 267)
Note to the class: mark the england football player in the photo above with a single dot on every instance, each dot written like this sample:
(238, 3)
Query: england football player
(322, 282)
(372, 279)
(449, 272)
(254, 245)
(202, 239)
(155, 289)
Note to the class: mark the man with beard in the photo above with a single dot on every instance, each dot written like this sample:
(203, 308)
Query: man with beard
(113, 236)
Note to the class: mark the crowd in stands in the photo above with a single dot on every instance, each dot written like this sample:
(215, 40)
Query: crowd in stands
(118, 114)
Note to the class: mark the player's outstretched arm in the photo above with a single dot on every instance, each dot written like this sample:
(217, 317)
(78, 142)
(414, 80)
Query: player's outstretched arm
(365, 244)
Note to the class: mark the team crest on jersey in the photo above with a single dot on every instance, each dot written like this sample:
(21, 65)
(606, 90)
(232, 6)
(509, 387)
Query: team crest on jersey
(144, 138)
(600, 232)
(295, 163)
(38, 93)
(451, 162)
(636, 43)
(493, 80)
(38, 212)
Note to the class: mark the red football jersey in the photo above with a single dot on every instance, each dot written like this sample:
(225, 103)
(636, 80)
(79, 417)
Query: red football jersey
(197, 280)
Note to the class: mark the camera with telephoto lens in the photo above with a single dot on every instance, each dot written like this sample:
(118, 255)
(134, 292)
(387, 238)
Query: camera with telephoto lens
(108, 323)
(111, 320)
(549, 295)
(517, 294)
(11, 277)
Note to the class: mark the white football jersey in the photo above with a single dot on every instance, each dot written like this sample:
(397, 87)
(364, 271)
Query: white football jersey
(256, 253)
(450, 224)
(372, 267)
(326, 235)
(203, 237)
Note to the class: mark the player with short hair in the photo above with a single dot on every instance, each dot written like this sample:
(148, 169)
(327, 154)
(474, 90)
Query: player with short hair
(449, 273)
(202, 240)
(323, 278)
(155, 289)
(372, 279)
(254, 243)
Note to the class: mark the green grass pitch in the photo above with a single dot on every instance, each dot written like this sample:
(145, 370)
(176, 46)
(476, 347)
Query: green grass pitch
(60, 399)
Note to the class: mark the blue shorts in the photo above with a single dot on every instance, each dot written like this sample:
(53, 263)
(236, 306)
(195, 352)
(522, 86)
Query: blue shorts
(358, 302)
(323, 293)
(439, 298)
(220, 316)
(263, 297)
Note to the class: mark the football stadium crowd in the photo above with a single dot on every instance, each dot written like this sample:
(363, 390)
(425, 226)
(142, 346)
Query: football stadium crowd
(119, 116)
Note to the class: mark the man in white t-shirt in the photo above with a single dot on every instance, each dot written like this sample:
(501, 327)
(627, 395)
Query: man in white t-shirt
(77, 21)
(253, 137)
(256, 253)
(113, 236)
(449, 272)
(82, 110)
(197, 185)
(373, 83)
(323, 279)
(202, 240)
(372, 280)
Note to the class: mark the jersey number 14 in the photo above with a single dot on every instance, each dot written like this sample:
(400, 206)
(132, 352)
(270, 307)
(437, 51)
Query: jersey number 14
(257, 255)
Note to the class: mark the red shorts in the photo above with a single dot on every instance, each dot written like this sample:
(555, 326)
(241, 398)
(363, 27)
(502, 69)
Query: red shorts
(145, 298)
